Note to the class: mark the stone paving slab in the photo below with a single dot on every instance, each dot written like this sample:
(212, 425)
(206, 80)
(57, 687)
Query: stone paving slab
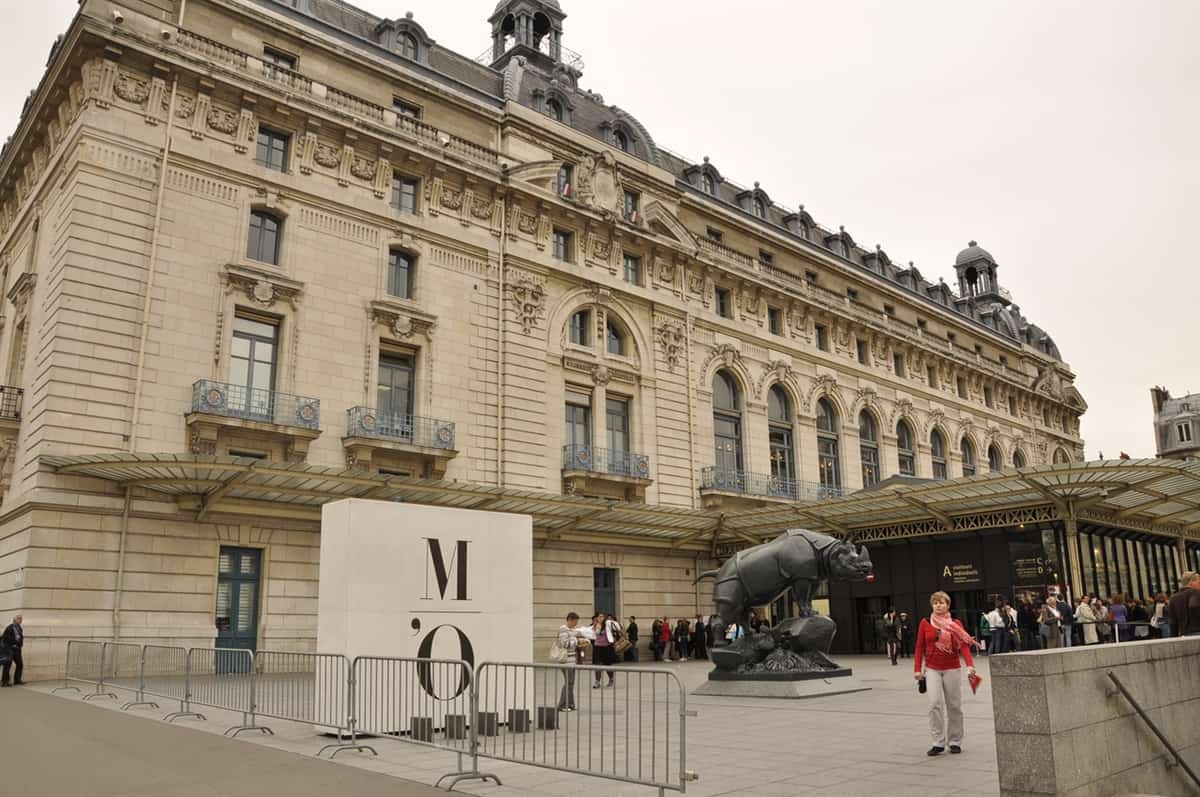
(867, 743)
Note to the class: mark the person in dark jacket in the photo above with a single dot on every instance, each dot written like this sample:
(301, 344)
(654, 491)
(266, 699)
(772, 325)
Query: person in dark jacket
(682, 640)
(700, 639)
(655, 645)
(906, 632)
(11, 642)
(631, 633)
(1183, 609)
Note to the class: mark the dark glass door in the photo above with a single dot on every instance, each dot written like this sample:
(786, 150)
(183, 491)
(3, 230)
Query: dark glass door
(237, 598)
(617, 420)
(252, 368)
(604, 583)
(394, 405)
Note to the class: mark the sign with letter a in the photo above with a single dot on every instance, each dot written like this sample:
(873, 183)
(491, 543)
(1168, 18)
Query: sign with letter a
(408, 581)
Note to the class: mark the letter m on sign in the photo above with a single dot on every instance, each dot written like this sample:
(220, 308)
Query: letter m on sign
(435, 563)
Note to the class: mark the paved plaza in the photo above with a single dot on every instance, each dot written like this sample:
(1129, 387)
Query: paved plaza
(866, 743)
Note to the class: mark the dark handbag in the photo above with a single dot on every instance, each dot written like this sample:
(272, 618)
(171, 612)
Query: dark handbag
(921, 685)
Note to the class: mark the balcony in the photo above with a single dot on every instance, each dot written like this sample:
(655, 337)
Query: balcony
(10, 407)
(717, 485)
(398, 443)
(277, 425)
(605, 473)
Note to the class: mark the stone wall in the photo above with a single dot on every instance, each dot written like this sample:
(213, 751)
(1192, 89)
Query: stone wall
(1061, 730)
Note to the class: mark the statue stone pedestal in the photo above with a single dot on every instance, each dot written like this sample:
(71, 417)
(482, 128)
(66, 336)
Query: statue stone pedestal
(781, 685)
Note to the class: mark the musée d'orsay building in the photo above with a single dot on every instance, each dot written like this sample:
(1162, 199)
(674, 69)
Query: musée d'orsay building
(259, 255)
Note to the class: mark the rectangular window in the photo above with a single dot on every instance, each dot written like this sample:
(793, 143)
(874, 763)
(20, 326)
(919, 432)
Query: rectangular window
(272, 151)
(723, 305)
(566, 177)
(822, 337)
(898, 364)
(987, 396)
(563, 246)
(633, 269)
(252, 362)
(931, 376)
(715, 235)
(962, 387)
(406, 108)
(263, 242)
(633, 205)
(279, 58)
(617, 422)
(400, 274)
(578, 432)
(1184, 431)
(604, 590)
(394, 394)
(775, 320)
(581, 323)
(860, 348)
(404, 193)
(766, 258)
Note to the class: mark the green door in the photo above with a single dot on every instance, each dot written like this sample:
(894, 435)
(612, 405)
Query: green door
(237, 598)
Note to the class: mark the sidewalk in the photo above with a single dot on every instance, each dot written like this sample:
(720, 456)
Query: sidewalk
(867, 743)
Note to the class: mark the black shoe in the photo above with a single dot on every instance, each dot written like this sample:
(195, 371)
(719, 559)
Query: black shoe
(935, 751)
(955, 748)
(18, 683)
(5, 684)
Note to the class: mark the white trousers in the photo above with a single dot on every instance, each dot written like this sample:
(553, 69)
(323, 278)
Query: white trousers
(945, 690)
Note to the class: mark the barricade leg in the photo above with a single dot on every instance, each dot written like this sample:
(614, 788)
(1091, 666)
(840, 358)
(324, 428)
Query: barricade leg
(185, 703)
(140, 697)
(66, 674)
(473, 773)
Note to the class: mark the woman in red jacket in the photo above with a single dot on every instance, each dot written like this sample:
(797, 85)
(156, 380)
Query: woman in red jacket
(940, 641)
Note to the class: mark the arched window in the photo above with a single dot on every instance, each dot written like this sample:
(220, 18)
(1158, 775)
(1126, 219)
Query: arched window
(760, 209)
(708, 184)
(968, 458)
(263, 243)
(727, 425)
(995, 463)
(779, 424)
(554, 110)
(615, 340)
(937, 446)
(408, 45)
(868, 447)
(1060, 456)
(904, 444)
(1018, 459)
(581, 323)
(829, 466)
(621, 140)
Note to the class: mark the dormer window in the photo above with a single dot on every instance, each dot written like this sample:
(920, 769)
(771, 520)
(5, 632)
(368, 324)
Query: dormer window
(708, 184)
(554, 110)
(406, 45)
(620, 140)
(562, 184)
(760, 208)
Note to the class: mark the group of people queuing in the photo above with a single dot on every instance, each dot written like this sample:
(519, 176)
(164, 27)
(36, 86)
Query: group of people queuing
(604, 640)
(681, 640)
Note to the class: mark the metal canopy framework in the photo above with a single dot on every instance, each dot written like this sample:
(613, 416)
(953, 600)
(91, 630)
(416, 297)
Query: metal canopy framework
(1150, 495)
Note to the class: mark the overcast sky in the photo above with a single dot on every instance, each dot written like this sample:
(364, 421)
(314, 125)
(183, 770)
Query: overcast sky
(1062, 136)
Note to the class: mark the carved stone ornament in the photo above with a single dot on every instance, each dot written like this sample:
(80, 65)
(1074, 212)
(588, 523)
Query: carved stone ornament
(673, 340)
(601, 249)
(601, 375)
(528, 298)
(726, 354)
(776, 371)
(327, 156)
(184, 106)
(402, 326)
(131, 89)
(202, 446)
(598, 185)
(452, 199)
(222, 121)
(261, 289)
(527, 223)
(401, 322)
(363, 169)
(1048, 382)
(482, 208)
(263, 292)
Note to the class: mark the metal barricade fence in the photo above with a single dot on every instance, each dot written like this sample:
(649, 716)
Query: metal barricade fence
(123, 670)
(421, 701)
(85, 665)
(165, 675)
(223, 678)
(313, 688)
(632, 728)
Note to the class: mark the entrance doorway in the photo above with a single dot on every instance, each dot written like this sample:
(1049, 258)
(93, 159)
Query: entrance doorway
(967, 606)
(871, 636)
(604, 589)
(238, 585)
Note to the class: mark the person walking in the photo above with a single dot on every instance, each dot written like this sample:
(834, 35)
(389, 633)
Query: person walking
(1183, 609)
(11, 642)
(700, 639)
(568, 650)
(941, 641)
(1050, 623)
(603, 654)
(631, 633)
(891, 634)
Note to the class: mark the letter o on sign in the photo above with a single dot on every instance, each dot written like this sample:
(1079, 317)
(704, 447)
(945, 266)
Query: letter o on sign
(425, 668)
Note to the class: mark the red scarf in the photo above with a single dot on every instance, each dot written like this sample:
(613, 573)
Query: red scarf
(951, 636)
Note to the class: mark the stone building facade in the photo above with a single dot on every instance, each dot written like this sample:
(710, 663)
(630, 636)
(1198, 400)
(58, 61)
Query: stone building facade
(291, 234)
(1176, 424)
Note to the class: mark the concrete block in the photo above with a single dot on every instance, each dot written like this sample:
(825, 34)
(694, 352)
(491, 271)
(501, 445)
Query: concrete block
(1016, 664)
(1020, 705)
(1032, 763)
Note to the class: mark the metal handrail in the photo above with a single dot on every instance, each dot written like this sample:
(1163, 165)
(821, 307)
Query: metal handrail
(253, 404)
(603, 460)
(769, 486)
(412, 429)
(1112, 676)
(10, 402)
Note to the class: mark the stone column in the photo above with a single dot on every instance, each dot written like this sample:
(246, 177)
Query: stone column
(1071, 555)
(1181, 554)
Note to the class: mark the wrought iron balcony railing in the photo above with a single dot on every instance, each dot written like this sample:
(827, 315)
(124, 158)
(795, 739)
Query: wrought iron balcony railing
(603, 460)
(411, 429)
(265, 406)
(10, 403)
(758, 484)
